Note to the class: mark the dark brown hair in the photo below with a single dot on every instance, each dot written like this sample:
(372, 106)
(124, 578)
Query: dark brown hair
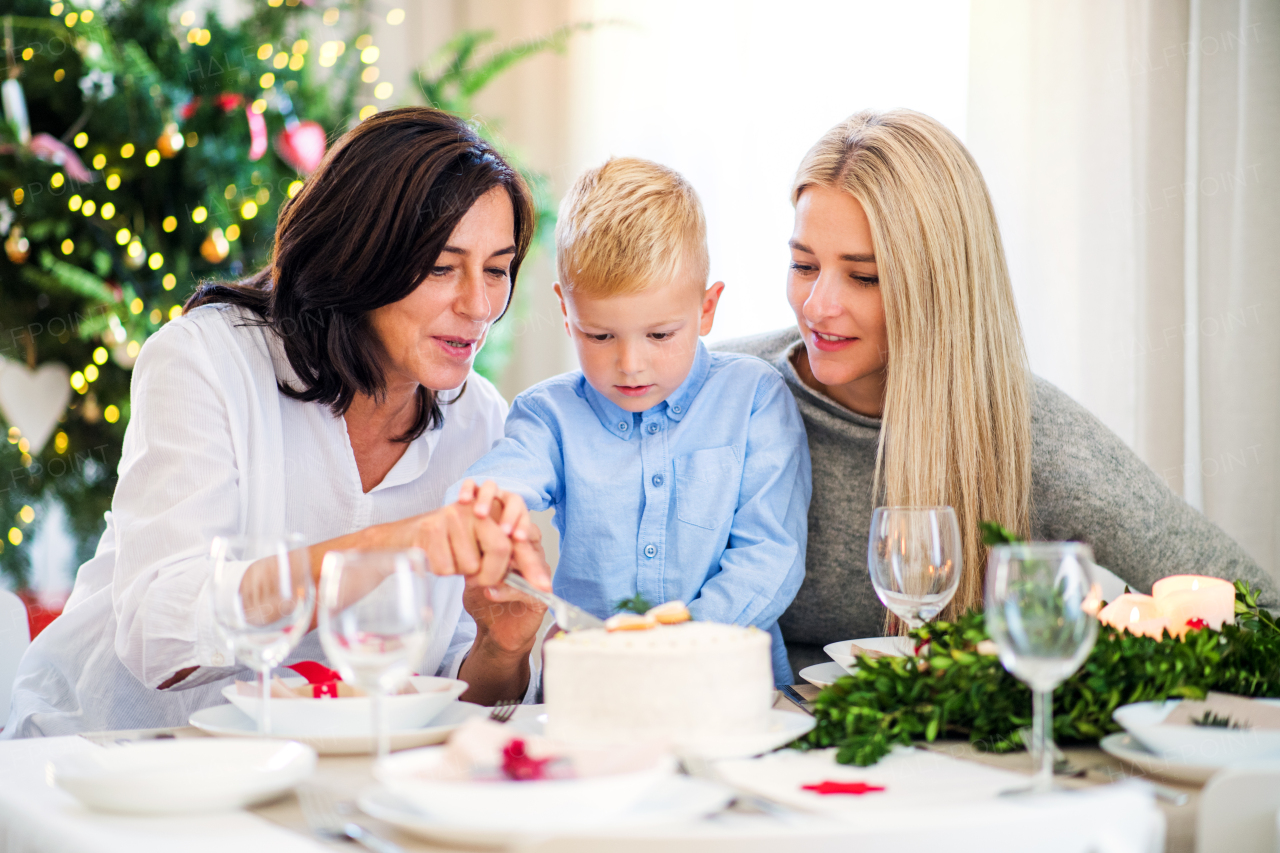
(365, 230)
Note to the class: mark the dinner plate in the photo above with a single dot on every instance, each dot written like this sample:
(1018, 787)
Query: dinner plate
(676, 799)
(842, 652)
(823, 674)
(1195, 744)
(1130, 750)
(782, 728)
(183, 776)
(229, 721)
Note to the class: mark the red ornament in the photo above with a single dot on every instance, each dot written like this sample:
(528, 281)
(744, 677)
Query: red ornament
(189, 108)
(229, 102)
(518, 766)
(829, 787)
(302, 145)
(1196, 623)
(323, 681)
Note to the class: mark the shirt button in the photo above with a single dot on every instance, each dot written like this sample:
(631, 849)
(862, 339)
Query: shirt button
(653, 428)
(218, 659)
(657, 479)
(650, 551)
(675, 409)
(622, 425)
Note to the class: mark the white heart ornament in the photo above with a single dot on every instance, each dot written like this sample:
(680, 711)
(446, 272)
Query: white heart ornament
(33, 400)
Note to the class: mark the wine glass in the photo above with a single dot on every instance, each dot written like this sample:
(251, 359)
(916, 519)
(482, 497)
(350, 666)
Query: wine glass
(375, 621)
(1038, 603)
(915, 558)
(263, 601)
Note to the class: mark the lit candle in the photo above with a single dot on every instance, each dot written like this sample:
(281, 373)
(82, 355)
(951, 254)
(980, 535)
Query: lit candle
(1140, 615)
(1183, 598)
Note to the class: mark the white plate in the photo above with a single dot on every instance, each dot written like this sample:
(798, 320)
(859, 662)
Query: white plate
(504, 805)
(1129, 750)
(677, 799)
(842, 652)
(350, 715)
(1194, 744)
(823, 674)
(783, 727)
(183, 776)
(229, 721)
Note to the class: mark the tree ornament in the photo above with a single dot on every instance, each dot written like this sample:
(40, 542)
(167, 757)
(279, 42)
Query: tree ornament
(33, 400)
(15, 108)
(170, 141)
(215, 247)
(302, 145)
(51, 150)
(16, 246)
(97, 85)
(257, 133)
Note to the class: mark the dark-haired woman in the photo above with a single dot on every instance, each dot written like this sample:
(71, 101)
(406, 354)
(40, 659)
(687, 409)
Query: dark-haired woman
(332, 395)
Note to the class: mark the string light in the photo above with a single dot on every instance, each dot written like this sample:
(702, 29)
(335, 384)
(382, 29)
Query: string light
(155, 261)
(294, 188)
(126, 150)
(55, 9)
(57, 180)
(395, 17)
(27, 54)
(68, 246)
(175, 312)
(100, 355)
(249, 210)
(188, 18)
(193, 139)
(156, 316)
(330, 16)
(91, 373)
(199, 215)
(15, 536)
(60, 442)
(113, 182)
(81, 139)
(233, 232)
(296, 62)
(132, 349)
(364, 41)
(71, 19)
(369, 54)
(24, 445)
(59, 75)
(300, 47)
(205, 38)
(89, 207)
(169, 281)
(365, 112)
(135, 307)
(18, 195)
(99, 161)
(281, 60)
(264, 52)
(369, 74)
(267, 80)
(111, 414)
(78, 383)
(263, 196)
(383, 91)
(122, 236)
(259, 106)
(153, 157)
(86, 16)
(169, 224)
(73, 203)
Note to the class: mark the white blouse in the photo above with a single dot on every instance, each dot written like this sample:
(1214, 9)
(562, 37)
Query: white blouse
(213, 447)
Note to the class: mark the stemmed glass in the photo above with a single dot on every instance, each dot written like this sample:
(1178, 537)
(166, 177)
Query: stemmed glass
(263, 601)
(915, 558)
(1038, 614)
(375, 621)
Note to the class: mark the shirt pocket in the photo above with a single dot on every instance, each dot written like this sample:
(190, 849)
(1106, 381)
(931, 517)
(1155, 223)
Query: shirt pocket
(707, 483)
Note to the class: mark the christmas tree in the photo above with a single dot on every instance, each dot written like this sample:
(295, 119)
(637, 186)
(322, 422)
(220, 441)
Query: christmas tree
(142, 152)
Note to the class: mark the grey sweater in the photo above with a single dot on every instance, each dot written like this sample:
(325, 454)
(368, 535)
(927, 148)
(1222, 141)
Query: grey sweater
(1086, 486)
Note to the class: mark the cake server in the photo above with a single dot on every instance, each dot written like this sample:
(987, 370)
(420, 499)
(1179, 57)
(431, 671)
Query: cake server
(570, 617)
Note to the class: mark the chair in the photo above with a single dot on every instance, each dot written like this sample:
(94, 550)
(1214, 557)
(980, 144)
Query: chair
(15, 636)
(1238, 810)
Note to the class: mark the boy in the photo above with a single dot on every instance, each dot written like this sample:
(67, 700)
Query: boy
(675, 473)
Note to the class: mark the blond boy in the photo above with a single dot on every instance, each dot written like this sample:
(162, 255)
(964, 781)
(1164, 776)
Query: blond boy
(675, 473)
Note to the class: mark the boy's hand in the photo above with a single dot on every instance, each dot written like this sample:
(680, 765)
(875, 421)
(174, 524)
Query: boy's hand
(513, 516)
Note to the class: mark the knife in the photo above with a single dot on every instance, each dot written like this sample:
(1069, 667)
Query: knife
(570, 617)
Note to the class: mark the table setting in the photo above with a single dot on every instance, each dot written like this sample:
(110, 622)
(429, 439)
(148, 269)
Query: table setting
(1050, 708)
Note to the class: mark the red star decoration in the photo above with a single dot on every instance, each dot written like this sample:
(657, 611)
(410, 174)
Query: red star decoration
(830, 787)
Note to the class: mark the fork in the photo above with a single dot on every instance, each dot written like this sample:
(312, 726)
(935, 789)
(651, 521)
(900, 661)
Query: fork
(320, 810)
(503, 710)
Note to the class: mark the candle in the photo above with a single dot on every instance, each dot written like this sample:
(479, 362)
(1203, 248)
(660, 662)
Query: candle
(1183, 598)
(1140, 615)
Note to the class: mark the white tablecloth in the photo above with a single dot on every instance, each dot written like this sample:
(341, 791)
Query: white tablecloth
(955, 811)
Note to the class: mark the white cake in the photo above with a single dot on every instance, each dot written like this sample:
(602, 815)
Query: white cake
(675, 683)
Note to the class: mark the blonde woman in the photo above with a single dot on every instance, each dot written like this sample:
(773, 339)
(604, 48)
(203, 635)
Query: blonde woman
(909, 368)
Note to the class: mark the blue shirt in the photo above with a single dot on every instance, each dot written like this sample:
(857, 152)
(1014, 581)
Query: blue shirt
(702, 498)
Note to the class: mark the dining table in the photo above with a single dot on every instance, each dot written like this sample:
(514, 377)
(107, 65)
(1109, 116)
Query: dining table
(1104, 797)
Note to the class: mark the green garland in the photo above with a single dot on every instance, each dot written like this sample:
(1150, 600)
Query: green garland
(960, 690)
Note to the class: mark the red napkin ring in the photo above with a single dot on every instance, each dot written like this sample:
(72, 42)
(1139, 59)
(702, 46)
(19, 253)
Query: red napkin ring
(829, 787)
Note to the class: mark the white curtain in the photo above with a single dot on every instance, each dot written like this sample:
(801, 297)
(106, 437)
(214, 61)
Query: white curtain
(1133, 151)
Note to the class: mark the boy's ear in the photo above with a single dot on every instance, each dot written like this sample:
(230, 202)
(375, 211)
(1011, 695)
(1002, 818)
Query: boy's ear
(564, 309)
(710, 300)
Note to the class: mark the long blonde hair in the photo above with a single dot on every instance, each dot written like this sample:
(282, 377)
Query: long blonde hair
(956, 427)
